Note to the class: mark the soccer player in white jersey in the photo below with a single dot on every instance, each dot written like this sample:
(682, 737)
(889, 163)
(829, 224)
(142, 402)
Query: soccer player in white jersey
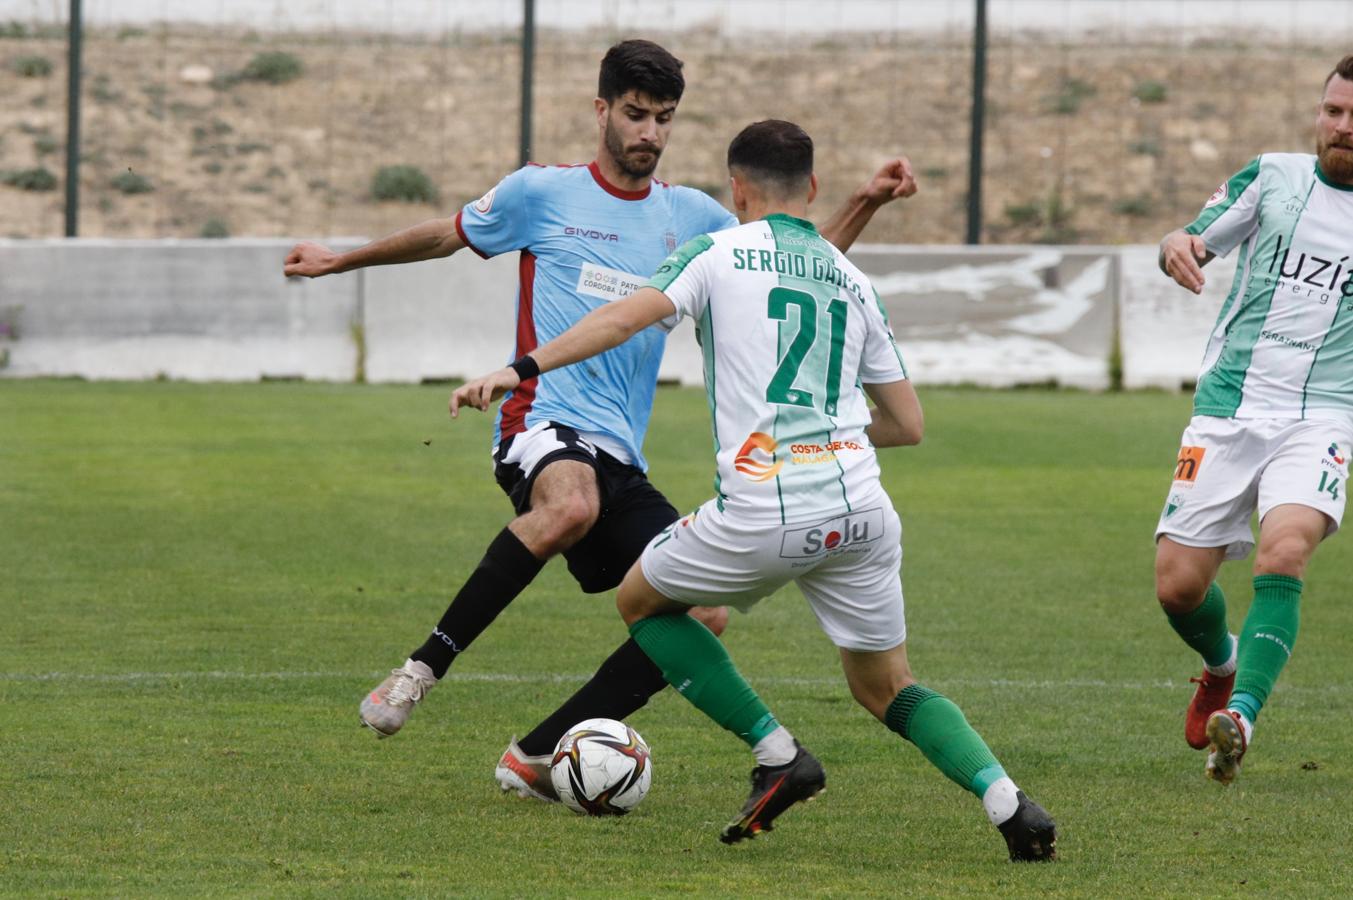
(568, 447)
(1272, 423)
(794, 339)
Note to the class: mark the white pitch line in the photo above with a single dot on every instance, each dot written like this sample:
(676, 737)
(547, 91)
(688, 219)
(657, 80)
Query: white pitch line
(548, 678)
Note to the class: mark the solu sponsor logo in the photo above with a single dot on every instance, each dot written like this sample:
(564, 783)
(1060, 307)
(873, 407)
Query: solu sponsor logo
(851, 531)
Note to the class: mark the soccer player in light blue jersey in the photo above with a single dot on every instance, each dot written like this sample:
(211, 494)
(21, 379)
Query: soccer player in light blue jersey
(794, 339)
(1272, 423)
(568, 446)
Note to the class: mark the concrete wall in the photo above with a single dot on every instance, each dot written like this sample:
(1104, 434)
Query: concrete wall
(221, 310)
(196, 310)
(1164, 328)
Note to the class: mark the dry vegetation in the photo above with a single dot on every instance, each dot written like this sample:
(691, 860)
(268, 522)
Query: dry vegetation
(1096, 142)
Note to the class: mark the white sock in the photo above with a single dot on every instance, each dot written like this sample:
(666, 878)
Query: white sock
(1000, 801)
(776, 748)
(1228, 667)
(1247, 727)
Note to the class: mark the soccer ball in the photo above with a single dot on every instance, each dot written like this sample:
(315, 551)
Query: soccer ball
(601, 768)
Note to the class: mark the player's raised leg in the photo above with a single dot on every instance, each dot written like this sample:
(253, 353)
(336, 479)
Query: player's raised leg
(694, 662)
(883, 684)
(1288, 536)
(565, 503)
(1196, 609)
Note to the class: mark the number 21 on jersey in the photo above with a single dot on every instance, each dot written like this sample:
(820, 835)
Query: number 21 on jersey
(782, 388)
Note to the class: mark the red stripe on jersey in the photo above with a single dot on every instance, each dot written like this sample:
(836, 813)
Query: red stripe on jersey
(612, 189)
(523, 395)
(466, 240)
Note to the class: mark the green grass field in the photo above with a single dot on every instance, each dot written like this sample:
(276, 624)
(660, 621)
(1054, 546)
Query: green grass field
(197, 584)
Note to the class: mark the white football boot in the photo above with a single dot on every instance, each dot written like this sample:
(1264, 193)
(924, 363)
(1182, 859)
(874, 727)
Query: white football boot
(528, 776)
(387, 708)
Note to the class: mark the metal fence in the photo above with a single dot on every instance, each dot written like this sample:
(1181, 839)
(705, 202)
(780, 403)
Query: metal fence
(1104, 122)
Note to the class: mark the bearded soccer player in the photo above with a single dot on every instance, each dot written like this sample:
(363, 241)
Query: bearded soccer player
(568, 446)
(1272, 423)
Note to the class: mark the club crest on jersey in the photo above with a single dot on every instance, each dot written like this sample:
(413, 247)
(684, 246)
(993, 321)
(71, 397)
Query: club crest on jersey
(751, 459)
(669, 239)
(1217, 196)
(853, 531)
(485, 203)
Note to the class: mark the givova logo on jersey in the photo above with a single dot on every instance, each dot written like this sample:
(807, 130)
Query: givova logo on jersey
(854, 531)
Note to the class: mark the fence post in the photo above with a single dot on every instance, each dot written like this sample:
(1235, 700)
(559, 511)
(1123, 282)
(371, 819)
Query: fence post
(979, 103)
(528, 53)
(73, 35)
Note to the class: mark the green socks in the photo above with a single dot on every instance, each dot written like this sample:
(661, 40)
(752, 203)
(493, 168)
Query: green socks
(1266, 641)
(1204, 629)
(938, 729)
(695, 663)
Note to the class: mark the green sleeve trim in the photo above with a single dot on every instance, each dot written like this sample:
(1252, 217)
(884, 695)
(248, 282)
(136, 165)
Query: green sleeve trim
(674, 265)
(1235, 186)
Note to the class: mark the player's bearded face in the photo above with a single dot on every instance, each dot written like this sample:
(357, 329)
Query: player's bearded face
(634, 155)
(1334, 131)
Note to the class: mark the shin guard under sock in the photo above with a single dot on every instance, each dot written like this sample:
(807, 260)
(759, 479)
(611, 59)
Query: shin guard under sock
(1204, 629)
(938, 729)
(695, 663)
(1266, 641)
(620, 687)
(506, 569)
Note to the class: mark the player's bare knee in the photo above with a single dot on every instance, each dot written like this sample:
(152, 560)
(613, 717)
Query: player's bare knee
(715, 618)
(877, 695)
(1180, 595)
(1286, 556)
(564, 522)
(1179, 589)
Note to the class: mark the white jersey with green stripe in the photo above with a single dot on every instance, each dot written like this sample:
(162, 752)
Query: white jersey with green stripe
(789, 330)
(1283, 343)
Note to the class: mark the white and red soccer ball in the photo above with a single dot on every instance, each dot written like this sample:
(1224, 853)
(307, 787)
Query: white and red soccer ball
(601, 767)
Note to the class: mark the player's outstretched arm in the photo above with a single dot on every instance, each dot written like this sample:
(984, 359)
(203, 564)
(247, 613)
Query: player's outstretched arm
(891, 182)
(607, 326)
(897, 417)
(432, 239)
(1182, 257)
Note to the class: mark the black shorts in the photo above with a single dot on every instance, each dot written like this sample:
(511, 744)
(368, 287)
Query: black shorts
(633, 511)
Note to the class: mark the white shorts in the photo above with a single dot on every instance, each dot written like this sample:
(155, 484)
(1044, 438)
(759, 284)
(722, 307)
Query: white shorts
(1228, 468)
(848, 567)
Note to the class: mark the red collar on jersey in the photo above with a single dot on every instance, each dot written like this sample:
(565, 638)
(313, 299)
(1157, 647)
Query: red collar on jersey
(612, 189)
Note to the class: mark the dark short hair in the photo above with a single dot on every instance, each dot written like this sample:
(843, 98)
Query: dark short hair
(775, 154)
(1344, 70)
(640, 66)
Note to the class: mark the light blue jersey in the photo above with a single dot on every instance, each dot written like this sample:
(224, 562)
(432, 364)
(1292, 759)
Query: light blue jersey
(585, 242)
